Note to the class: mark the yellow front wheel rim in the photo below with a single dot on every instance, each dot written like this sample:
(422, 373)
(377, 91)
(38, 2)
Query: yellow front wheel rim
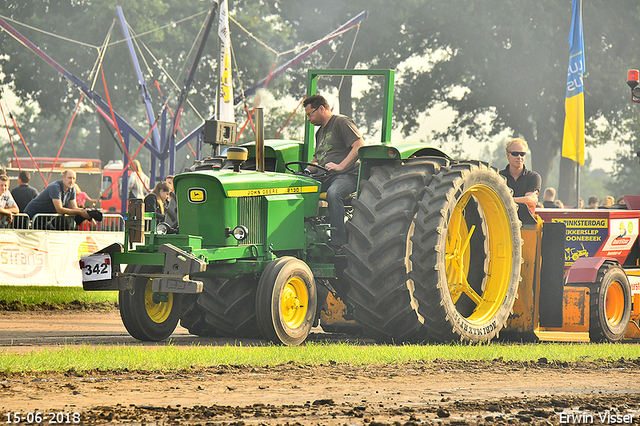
(158, 312)
(294, 302)
(491, 297)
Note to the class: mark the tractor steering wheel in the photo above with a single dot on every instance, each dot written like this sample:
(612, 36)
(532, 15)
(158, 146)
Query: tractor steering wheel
(301, 164)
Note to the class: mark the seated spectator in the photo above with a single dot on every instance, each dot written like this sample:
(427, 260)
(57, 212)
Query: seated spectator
(549, 198)
(58, 197)
(559, 204)
(593, 202)
(8, 206)
(171, 205)
(154, 202)
(608, 201)
(24, 192)
(82, 198)
(620, 201)
(580, 203)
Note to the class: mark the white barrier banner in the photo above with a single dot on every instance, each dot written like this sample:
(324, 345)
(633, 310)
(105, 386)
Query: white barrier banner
(31, 257)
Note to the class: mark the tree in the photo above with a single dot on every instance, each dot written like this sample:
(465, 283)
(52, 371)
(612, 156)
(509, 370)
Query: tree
(499, 65)
(165, 32)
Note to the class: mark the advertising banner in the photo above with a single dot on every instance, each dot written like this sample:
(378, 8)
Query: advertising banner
(584, 237)
(32, 257)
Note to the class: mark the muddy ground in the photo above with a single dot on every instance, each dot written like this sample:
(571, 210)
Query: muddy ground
(430, 392)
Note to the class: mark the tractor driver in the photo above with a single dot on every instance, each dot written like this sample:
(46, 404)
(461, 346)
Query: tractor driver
(337, 144)
(524, 183)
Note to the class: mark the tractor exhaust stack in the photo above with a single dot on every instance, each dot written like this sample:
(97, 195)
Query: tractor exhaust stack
(259, 140)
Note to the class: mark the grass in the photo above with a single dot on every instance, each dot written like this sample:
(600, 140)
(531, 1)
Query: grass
(168, 357)
(35, 295)
(173, 358)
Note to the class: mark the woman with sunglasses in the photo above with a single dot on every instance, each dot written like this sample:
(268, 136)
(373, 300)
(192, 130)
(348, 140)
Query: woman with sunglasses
(524, 183)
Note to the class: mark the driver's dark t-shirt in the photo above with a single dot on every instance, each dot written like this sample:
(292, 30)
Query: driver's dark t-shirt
(333, 142)
(528, 181)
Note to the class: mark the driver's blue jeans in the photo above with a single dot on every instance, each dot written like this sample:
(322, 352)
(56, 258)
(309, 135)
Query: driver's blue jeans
(338, 188)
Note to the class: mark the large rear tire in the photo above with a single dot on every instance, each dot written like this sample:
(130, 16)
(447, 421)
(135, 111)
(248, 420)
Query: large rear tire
(230, 306)
(444, 251)
(378, 249)
(194, 317)
(146, 315)
(287, 301)
(610, 307)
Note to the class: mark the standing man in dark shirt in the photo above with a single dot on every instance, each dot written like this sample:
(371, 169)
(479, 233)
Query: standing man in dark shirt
(337, 144)
(58, 197)
(548, 199)
(524, 183)
(24, 192)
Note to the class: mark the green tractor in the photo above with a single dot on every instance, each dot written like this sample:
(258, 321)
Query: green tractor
(433, 252)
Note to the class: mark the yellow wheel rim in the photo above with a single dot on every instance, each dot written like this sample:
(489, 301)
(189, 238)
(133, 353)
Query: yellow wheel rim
(614, 303)
(458, 261)
(158, 312)
(458, 254)
(294, 302)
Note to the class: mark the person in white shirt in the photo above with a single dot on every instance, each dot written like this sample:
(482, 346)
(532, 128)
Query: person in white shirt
(138, 181)
(8, 206)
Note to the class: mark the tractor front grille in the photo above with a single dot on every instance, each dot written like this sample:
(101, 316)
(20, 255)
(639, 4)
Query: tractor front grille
(251, 213)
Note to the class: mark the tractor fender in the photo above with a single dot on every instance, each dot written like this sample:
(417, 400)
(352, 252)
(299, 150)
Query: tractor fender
(585, 269)
(399, 150)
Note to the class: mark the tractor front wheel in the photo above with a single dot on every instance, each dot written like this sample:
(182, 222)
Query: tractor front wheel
(148, 316)
(286, 301)
(610, 304)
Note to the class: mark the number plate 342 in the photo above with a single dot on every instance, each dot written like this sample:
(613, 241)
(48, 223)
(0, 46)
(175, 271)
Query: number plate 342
(96, 267)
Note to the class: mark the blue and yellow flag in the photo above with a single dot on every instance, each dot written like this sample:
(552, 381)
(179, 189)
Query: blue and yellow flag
(573, 139)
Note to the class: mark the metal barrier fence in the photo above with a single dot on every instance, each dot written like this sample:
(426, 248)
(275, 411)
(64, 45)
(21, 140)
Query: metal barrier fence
(19, 221)
(60, 222)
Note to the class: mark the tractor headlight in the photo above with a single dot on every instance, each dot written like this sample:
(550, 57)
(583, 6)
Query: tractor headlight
(240, 232)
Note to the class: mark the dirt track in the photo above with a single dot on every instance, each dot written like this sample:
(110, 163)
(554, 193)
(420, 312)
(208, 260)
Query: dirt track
(439, 392)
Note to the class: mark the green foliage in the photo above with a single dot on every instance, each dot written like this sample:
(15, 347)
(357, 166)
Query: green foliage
(499, 65)
(626, 177)
(165, 36)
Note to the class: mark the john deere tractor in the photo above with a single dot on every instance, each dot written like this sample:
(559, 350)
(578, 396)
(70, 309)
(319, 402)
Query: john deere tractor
(433, 252)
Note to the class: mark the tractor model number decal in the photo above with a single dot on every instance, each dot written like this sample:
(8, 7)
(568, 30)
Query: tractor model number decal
(271, 191)
(197, 195)
(584, 237)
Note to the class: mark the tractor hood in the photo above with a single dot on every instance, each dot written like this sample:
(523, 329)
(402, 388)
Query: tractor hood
(270, 205)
